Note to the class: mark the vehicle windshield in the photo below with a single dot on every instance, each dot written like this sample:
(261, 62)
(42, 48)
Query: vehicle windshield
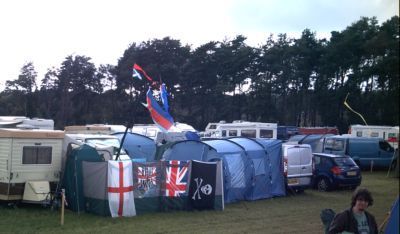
(334, 144)
(344, 161)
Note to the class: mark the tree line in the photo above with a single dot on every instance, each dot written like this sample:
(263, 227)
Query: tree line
(288, 81)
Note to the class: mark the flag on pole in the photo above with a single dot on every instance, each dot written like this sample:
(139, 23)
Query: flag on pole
(138, 68)
(160, 116)
(135, 73)
(164, 97)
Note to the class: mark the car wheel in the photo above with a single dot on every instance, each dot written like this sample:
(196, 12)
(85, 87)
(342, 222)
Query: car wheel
(323, 184)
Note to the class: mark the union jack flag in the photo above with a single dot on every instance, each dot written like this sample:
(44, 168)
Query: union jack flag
(176, 178)
(147, 177)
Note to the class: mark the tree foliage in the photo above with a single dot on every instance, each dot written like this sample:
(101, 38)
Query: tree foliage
(290, 81)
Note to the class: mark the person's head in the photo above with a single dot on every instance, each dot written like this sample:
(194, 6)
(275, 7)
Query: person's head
(361, 199)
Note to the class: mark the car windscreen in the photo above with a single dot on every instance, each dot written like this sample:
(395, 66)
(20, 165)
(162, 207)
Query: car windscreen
(344, 161)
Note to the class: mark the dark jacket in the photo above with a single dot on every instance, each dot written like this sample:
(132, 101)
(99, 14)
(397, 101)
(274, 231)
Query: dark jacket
(345, 221)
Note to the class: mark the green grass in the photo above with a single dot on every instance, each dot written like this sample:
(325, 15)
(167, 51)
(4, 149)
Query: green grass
(291, 214)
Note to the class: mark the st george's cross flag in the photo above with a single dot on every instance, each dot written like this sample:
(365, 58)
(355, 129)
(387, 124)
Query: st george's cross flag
(120, 189)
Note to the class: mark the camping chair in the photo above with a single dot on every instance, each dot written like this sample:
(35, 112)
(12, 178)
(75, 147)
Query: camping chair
(327, 216)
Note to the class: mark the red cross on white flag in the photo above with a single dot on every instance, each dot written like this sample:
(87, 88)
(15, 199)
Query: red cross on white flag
(120, 188)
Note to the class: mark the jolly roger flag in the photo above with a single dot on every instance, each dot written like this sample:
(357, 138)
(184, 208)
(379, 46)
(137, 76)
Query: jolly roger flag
(202, 185)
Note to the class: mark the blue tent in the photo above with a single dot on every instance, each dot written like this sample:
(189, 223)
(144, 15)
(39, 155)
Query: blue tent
(138, 147)
(392, 226)
(261, 181)
(189, 150)
(238, 170)
(275, 166)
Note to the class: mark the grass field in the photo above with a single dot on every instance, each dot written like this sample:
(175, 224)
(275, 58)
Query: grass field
(291, 214)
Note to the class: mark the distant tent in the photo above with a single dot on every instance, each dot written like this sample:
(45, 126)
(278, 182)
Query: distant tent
(138, 146)
(189, 150)
(161, 148)
(72, 178)
(262, 179)
(238, 172)
(275, 166)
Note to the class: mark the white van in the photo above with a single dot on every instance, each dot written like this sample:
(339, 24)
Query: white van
(298, 165)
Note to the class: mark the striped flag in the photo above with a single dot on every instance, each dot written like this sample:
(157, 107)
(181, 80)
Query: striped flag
(138, 69)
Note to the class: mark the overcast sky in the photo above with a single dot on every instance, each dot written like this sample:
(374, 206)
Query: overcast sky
(46, 31)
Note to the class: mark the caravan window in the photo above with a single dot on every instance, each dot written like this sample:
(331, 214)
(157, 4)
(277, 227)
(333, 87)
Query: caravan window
(251, 133)
(232, 133)
(359, 134)
(223, 133)
(374, 134)
(36, 155)
(264, 133)
(213, 126)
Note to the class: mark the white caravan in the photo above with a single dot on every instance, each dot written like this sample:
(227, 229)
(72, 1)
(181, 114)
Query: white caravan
(30, 163)
(22, 122)
(94, 129)
(242, 128)
(388, 133)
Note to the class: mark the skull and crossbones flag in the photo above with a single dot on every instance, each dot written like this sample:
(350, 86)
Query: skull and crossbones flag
(202, 185)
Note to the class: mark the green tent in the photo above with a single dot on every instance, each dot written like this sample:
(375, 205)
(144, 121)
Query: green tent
(72, 178)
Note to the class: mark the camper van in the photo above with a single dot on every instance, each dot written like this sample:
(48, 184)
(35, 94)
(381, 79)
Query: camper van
(388, 133)
(30, 163)
(243, 129)
(365, 151)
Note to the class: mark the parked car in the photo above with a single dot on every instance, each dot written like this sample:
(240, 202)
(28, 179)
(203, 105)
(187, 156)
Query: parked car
(298, 165)
(334, 171)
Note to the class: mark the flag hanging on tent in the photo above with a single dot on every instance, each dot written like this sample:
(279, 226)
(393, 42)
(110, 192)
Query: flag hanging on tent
(202, 184)
(176, 178)
(136, 69)
(160, 116)
(120, 189)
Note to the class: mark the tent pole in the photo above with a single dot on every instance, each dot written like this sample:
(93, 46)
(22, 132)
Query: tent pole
(129, 125)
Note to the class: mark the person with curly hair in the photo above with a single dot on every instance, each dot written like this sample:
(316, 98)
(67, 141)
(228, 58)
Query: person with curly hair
(356, 219)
